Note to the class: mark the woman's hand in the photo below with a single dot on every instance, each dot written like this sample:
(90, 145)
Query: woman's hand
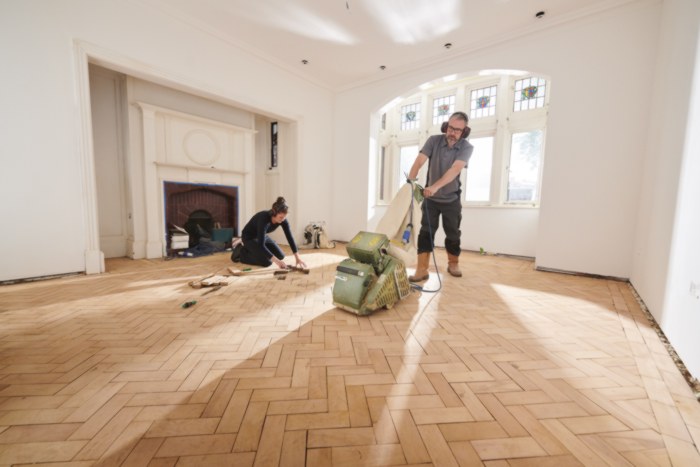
(280, 264)
(300, 263)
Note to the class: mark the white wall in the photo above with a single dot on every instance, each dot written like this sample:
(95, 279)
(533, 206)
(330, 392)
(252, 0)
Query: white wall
(504, 230)
(666, 247)
(600, 80)
(44, 193)
(595, 142)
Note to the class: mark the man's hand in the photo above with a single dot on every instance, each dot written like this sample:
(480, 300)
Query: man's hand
(429, 191)
(280, 264)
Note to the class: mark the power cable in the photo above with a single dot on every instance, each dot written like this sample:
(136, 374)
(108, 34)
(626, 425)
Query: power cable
(430, 233)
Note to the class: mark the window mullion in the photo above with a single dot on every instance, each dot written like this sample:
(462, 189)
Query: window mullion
(499, 175)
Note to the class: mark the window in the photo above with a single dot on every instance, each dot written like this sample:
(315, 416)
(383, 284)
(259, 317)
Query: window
(382, 164)
(410, 117)
(478, 184)
(508, 120)
(443, 107)
(524, 166)
(483, 102)
(529, 94)
(407, 157)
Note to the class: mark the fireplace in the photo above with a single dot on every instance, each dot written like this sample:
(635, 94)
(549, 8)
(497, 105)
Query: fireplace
(201, 210)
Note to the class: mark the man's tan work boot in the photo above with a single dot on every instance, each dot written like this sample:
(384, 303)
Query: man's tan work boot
(453, 265)
(421, 273)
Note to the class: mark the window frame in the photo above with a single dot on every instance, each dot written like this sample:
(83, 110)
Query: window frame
(501, 126)
(432, 97)
(506, 172)
(421, 114)
(493, 183)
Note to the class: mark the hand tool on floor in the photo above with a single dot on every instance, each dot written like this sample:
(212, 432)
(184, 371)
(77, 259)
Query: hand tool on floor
(298, 269)
(213, 289)
(276, 272)
(255, 272)
(212, 280)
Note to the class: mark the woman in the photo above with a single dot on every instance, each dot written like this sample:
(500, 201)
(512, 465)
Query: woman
(257, 248)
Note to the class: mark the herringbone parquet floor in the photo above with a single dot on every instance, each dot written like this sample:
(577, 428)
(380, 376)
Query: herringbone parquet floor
(506, 366)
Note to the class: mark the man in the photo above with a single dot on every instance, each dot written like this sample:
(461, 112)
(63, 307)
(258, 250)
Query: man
(448, 155)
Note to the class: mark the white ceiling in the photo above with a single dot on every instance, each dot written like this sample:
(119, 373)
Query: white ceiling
(347, 41)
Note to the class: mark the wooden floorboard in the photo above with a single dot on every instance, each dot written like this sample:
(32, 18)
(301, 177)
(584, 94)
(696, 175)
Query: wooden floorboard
(506, 366)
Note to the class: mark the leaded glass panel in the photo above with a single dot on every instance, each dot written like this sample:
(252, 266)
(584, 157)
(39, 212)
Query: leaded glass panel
(443, 107)
(529, 93)
(483, 102)
(410, 116)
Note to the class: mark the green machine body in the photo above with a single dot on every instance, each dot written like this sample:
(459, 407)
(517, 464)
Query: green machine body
(371, 278)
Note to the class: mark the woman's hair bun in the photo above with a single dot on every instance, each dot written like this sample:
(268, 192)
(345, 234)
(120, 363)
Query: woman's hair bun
(279, 206)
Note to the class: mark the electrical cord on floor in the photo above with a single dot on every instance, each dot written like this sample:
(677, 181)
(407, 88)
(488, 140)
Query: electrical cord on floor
(432, 244)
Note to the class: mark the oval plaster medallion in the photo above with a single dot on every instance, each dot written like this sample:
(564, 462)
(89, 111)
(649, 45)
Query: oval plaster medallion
(200, 147)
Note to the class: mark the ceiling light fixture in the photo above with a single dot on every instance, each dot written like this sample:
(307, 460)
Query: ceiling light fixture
(448, 45)
(539, 14)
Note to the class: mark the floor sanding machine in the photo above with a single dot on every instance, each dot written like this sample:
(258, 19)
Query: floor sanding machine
(370, 278)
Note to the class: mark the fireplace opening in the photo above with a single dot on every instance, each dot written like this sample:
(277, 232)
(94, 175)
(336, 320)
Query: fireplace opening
(209, 211)
(199, 224)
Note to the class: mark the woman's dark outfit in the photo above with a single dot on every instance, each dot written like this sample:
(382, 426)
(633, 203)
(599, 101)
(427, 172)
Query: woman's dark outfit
(257, 247)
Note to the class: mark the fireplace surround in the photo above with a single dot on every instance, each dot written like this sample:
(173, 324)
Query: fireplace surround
(207, 164)
(199, 207)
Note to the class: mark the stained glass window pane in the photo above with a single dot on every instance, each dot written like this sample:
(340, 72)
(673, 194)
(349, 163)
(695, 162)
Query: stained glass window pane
(529, 93)
(443, 107)
(478, 186)
(524, 166)
(410, 117)
(483, 102)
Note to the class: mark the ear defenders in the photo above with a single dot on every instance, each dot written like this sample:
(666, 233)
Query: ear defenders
(464, 117)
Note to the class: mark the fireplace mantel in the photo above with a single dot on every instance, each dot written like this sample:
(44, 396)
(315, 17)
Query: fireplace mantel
(181, 147)
(186, 167)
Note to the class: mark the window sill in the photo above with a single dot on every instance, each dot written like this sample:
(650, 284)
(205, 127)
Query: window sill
(385, 204)
(500, 206)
